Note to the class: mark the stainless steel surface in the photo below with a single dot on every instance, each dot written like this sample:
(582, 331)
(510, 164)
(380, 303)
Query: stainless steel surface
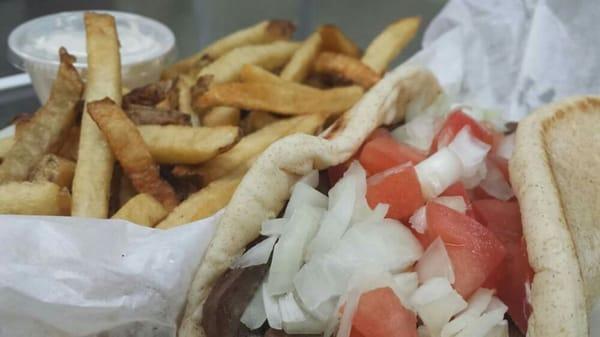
(198, 22)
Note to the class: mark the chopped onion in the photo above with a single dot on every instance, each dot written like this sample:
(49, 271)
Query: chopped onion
(321, 280)
(375, 215)
(324, 311)
(476, 179)
(435, 263)
(501, 330)
(495, 185)
(388, 244)
(350, 306)
(506, 147)
(478, 302)
(438, 172)
(255, 315)
(303, 194)
(482, 325)
(361, 211)
(436, 302)
(470, 150)
(257, 255)
(274, 226)
(271, 309)
(418, 220)
(295, 319)
(422, 331)
(311, 179)
(419, 132)
(289, 251)
(405, 284)
(457, 203)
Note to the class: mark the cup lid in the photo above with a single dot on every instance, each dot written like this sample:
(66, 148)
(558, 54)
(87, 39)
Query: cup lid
(38, 40)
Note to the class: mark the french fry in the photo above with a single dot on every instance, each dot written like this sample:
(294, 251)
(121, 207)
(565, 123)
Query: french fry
(54, 169)
(40, 198)
(126, 190)
(203, 203)
(70, 144)
(221, 116)
(255, 143)
(299, 65)
(335, 41)
(150, 94)
(130, 150)
(252, 73)
(47, 126)
(175, 144)
(269, 56)
(347, 68)
(284, 98)
(390, 42)
(5, 145)
(263, 32)
(144, 115)
(184, 86)
(20, 123)
(143, 210)
(95, 161)
(257, 120)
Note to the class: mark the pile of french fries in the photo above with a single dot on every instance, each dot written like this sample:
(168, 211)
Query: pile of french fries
(174, 151)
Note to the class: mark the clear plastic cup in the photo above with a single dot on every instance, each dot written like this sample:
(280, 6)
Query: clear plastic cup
(146, 46)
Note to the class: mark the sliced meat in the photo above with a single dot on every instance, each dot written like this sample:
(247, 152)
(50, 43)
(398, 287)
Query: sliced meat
(228, 300)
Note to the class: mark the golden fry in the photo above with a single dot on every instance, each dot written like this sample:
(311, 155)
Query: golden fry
(269, 56)
(390, 42)
(255, 143)
(252, 73)
(347, 68)
(54, 169)
(95, 161)
(203, 203)
(257, 120)
(263, 32)
(70, 144)
(132, 153)
(297, 69)
(147, 115)
(184, 87)
(39, 198)
(175, 144)
(48, 125)
(5, 145)
(221, 116)
(286, 99)
(335, 41)
(143, 210)
(151, 94)
(126, 190)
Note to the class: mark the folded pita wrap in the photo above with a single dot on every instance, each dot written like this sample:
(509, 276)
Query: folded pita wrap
(266, 187)
(555, 172)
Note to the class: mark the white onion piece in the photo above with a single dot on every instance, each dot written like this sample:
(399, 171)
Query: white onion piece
(257, 255)
(436, 302)
(435, 263)
(321, 280)
(274, 226)
(388, 244)
(361, 211)
(303, 194)
(418, 220)
(477, 178)
(311, 179)
(422, 331)
(325, 310)
(271, 309)
(337, 218)
(457, 203)
(506, 147)
(418, 133)
(496, 304)
(438, 172)
(295, 319)
(483, 324)
(289, 251)
(255, 315)
(478, 302)
(405, 284)
(350, 306)
(375, 215)
(501, 330)
(495, 185)
(470, 150)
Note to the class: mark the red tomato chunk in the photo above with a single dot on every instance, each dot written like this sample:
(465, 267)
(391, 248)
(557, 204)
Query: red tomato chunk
(381, 314)
(397, 187)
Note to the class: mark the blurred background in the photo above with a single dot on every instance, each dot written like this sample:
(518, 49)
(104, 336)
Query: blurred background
(195, 23)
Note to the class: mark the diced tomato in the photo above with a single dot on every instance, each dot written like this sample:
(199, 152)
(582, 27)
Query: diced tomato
(336, 172)
(458, 190)
(384, 152)
(503, 218)
(398, 187)
(381, 314)
(474, 250)
(453, 124)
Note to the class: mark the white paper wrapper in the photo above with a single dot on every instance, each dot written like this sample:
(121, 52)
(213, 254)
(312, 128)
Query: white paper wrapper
(515, 55)
(63, 276)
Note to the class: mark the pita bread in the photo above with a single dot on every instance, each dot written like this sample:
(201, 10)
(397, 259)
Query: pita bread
(555, 172)
(266, 187)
